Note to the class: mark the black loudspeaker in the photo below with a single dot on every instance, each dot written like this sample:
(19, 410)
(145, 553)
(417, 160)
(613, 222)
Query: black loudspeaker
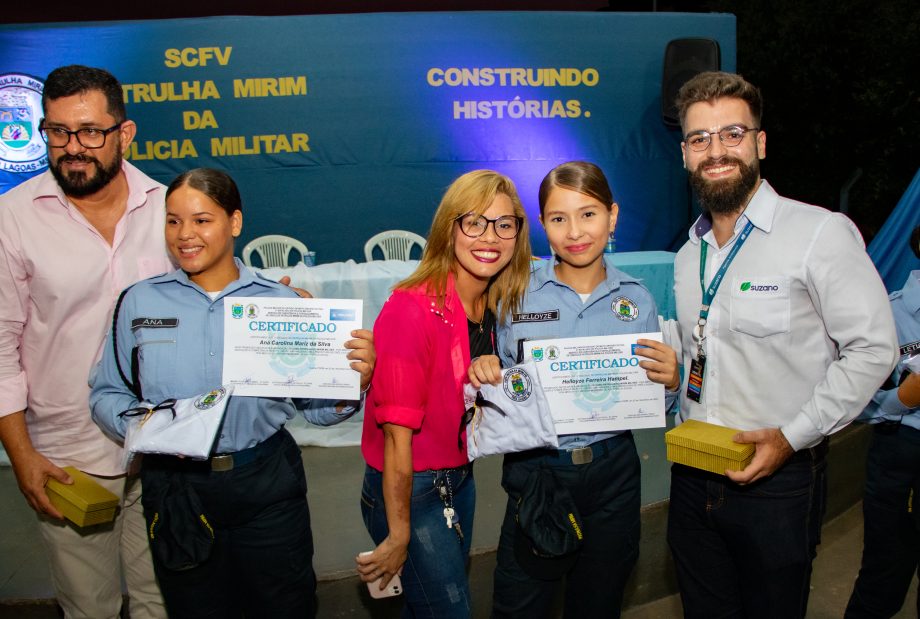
(684, 58)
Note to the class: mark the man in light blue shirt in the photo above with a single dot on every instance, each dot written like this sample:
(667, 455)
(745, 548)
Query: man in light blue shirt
(891, 544)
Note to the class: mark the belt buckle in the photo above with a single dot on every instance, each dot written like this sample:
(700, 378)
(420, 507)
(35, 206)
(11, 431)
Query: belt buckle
(222, 463)
(582, 455)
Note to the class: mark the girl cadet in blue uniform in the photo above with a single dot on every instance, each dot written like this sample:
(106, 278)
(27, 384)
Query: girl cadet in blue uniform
(253, 490)
(579, 294)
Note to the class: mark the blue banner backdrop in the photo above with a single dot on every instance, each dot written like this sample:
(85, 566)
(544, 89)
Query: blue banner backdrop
(339, 126)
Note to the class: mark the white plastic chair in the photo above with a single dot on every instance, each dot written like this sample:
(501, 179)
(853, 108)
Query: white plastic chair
(273, 249)
(395, 244)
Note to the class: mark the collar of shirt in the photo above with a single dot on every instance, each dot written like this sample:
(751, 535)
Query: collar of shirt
(246, 278)
(544, 273)
(910, 293)
(760, 212)
(139, 186)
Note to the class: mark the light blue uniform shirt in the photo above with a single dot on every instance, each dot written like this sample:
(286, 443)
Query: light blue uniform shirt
(185, 358)
(551, 309)
(885, 404)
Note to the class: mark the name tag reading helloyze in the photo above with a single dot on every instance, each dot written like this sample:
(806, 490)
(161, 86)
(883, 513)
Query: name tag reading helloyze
(154, 323)
(547, 316)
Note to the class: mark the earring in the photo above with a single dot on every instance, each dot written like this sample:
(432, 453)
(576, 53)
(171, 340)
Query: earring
(611, 247)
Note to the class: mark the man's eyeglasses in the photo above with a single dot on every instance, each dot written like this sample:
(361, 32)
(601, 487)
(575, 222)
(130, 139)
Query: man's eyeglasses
(88, 137)
(729, 136)
(474, 226)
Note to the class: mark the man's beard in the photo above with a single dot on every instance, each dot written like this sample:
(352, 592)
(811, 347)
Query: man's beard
(76, 184)
(725, 195)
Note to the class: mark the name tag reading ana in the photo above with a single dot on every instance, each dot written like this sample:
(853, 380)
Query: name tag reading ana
(154, 323)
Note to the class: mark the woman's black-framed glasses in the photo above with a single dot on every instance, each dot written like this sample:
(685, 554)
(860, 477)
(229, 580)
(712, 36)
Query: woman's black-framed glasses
(729, 136)
(87, 137)
(474, 226)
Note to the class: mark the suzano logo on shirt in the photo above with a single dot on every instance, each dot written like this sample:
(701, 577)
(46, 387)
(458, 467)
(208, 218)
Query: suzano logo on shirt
(754, 287)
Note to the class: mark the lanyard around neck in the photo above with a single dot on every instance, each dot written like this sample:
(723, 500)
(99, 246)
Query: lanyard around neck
(710, 293)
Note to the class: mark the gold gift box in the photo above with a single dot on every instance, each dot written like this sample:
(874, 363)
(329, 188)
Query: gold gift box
(84, 502)
(707, 446)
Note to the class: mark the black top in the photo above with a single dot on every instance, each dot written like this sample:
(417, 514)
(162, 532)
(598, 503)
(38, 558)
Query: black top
(482, 336)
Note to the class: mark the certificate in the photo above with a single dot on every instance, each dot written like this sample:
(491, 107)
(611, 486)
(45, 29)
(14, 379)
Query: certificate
(595, 384)
(290, 348)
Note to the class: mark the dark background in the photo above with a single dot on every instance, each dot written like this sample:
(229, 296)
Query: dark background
(840, 79)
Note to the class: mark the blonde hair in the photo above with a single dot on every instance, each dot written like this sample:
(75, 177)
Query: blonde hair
(474, 192)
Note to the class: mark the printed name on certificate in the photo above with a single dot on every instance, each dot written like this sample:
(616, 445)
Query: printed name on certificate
(595, 384)
(290, 347)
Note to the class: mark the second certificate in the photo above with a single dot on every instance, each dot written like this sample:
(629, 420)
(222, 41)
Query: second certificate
(595, 384)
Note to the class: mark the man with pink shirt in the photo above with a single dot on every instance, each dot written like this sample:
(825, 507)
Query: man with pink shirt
(70, 240)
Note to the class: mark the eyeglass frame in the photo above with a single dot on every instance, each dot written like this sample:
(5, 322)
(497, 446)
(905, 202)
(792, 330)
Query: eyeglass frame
(744, 131)
(518, 219)
(42, 129)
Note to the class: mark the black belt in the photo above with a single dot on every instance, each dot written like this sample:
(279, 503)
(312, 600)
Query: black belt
(221, 462)
(578, 455)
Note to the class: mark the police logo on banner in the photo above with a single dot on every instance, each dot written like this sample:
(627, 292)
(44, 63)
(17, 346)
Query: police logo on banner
(21, 146)
(210, 399)
(518, 385)
(625, 309)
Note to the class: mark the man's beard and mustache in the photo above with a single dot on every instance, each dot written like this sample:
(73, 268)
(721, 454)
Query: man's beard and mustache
(725, 195)
(77, 184)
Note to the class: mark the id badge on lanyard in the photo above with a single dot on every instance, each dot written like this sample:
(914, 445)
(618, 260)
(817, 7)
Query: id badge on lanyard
(698, 365)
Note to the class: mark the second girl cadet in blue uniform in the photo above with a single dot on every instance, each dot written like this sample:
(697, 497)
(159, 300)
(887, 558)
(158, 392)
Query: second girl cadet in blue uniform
(253, 489)
(579, 294)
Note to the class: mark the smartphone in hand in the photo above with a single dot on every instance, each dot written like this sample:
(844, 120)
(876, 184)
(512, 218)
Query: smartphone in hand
(392, 589)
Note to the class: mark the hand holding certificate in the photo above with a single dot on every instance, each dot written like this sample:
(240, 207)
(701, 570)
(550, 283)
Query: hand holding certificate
(596, 384)
(290, 347)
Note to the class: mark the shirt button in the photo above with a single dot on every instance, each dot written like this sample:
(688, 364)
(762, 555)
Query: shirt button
(210, 309)
(211, 353)
(581, 315)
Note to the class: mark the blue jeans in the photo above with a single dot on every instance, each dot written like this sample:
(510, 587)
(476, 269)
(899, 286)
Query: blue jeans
(434, 575)
(746, 551)
(606, 492)
(891, 541)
